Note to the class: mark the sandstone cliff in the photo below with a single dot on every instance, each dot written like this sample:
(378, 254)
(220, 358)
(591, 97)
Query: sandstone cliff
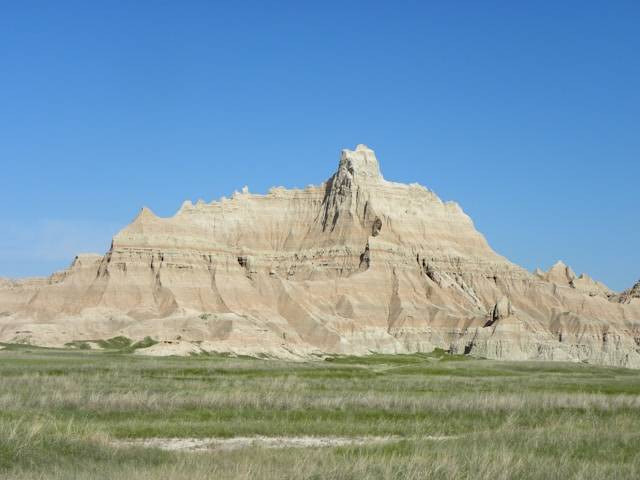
(355, 265)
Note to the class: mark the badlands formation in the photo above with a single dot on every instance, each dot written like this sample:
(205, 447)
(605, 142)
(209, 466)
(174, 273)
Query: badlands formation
(355, 265)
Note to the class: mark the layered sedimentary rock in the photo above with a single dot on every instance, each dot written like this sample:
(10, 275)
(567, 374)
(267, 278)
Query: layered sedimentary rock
(355, 265)
(631, 295)
(562, 274)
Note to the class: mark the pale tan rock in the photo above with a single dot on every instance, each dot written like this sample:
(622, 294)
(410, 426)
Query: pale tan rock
(588, 285)
(355, 265)
(560, 274)
(501, 310)
(629, 296)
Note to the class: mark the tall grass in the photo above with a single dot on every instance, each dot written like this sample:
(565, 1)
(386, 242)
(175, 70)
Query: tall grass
(61, 412)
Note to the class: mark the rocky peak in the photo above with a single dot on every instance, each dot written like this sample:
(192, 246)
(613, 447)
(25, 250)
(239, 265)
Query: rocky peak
(346, 201)
(356, 265)
(361, 164)
(560, 273)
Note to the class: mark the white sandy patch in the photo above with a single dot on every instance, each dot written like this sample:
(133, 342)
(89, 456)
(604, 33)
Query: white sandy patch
(168, 348)
(235, 443)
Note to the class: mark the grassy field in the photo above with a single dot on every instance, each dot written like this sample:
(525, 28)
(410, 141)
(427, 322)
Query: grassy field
(63, 411)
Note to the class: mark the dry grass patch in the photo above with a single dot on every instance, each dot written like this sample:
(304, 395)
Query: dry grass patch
(63, 415)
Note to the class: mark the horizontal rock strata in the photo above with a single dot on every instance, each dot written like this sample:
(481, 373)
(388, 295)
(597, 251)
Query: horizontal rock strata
(355, 265)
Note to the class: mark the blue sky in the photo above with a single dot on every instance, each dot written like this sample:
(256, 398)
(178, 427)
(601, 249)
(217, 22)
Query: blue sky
(526, 113)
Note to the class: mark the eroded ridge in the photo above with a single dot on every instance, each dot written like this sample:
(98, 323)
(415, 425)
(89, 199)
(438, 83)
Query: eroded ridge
(354, 265)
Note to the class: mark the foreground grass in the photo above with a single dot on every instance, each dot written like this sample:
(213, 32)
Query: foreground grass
(61, 410)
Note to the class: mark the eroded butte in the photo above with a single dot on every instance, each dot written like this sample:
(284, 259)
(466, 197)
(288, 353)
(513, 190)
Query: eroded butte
(355, 265)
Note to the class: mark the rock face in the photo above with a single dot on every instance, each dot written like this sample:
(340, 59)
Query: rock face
(629, 296)
(562, 274)
(354, 265)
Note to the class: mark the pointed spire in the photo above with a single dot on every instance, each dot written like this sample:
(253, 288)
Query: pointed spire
(560, 273)
(361, 163)
(145, 214)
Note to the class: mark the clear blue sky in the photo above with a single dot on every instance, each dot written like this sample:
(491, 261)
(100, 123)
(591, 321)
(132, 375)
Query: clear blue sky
(526, 113)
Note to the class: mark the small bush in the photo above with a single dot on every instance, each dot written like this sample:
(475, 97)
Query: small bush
(115, 343)
(79, 344)
(144, 343)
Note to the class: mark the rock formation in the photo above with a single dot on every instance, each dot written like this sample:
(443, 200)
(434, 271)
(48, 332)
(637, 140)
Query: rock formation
(562, 274)
(355, 265)
(629, 296)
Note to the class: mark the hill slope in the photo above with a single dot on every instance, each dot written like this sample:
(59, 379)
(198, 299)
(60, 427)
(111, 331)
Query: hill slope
(354, 265)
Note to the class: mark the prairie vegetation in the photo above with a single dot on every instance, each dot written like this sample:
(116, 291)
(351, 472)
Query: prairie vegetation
(78, 413)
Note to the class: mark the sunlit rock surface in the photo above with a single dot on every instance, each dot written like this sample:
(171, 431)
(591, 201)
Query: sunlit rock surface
(355, 265)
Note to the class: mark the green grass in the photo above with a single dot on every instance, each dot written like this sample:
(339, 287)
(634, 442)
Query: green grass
(62, 409)
(79, 344)
(115, 343)
(118, 344)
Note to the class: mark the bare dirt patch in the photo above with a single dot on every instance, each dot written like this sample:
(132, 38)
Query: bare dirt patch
(226, 444)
